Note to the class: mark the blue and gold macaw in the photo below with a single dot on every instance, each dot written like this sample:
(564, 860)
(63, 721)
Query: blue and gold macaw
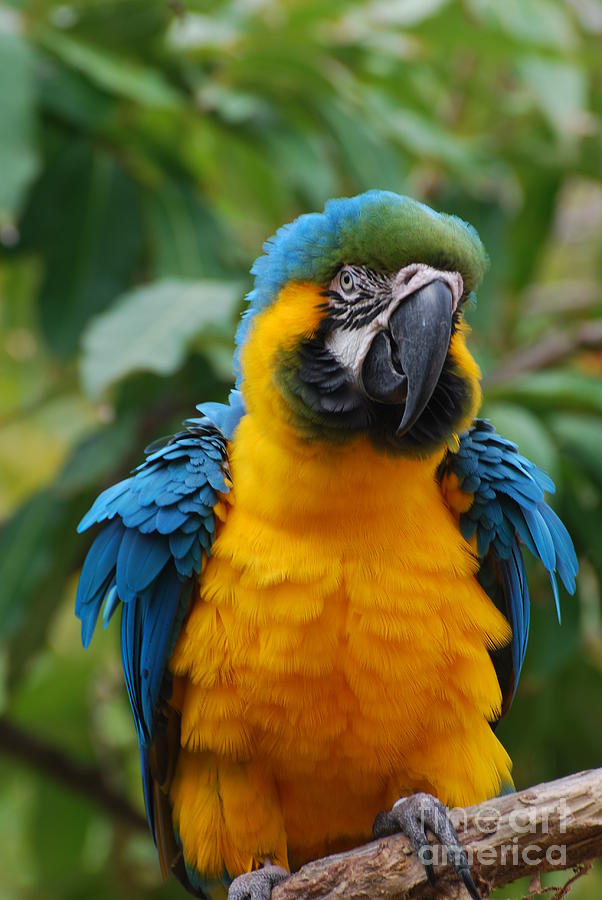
(324, 603)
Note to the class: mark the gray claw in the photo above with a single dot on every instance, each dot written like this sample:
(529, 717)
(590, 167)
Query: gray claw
(257, 885)
(412, 816)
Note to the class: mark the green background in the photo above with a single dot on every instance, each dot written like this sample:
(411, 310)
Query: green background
(146, 151)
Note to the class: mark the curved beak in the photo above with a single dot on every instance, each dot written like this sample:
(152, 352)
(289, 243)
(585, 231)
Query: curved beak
(405, 362)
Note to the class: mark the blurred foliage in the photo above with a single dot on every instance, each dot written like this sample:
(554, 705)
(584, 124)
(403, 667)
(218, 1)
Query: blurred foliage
(146, 151)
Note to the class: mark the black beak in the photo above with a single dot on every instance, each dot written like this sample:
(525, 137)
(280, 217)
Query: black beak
(405, 362)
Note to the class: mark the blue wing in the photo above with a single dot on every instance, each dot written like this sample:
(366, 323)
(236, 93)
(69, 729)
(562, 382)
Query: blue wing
(159, 524)
(508, 511)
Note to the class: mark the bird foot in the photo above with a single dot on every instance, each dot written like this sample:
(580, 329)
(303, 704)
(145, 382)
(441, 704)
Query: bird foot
(257, 885)
(412, 816)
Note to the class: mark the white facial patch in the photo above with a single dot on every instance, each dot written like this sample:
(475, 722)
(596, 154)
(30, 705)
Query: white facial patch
(418, 275)
(350, 345)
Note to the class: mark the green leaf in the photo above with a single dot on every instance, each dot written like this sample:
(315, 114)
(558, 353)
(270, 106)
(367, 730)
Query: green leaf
(83, 217)
(520, 425)
(402, 12)
(33, 446)
(187, 239)
(112, 72)
(542, 22)
(528, 231)
(59, 826)
(365, 156)
(150, 328)
(553, 390)
(97, 456)
(25, 557)
(560, 90)
(581, 438)
(425, 139)
(195, 31)
(18, 145)
(137, 25)
(547, 634)
(53, 694)
(581, 511)
(551, 723)
(39, 548)
(305, 164)
(66, 95)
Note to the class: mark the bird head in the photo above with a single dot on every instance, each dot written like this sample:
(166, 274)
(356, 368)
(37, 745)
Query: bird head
(355, 325)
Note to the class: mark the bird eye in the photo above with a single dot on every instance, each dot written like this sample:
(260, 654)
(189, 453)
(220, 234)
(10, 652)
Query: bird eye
(346, 281)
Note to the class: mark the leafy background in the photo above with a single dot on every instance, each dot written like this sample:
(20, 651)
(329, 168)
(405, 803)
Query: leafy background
(146, 150)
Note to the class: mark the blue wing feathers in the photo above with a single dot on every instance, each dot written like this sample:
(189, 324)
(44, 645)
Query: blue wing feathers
(146, 637)
(541, 537)
(506, 486)
(158, 524)
(509, 510)
(518, 605)
(180, 543)
(111, 604)
(99, 564)
(97, 578)
(140, 560)
(565, 555)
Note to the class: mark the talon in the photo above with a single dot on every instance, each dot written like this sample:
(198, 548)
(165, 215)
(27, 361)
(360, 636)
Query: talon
(257, 885)
(413, 816)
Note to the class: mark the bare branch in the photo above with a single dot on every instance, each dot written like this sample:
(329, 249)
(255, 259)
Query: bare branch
(553, 826)
(551, 350)
(89, 781)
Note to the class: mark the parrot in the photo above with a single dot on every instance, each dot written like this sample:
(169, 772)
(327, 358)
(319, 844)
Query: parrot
(323, 594)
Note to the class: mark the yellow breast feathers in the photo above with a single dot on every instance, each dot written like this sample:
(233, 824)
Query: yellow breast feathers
(336, 652)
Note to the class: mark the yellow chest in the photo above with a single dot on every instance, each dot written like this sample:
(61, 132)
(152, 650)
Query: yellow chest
(339, 627)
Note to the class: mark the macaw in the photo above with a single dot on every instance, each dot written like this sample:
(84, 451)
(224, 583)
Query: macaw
(324, 606)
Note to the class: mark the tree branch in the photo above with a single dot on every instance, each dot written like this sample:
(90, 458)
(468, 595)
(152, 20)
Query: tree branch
(553, 826)
(554, 348)
(89, 781)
